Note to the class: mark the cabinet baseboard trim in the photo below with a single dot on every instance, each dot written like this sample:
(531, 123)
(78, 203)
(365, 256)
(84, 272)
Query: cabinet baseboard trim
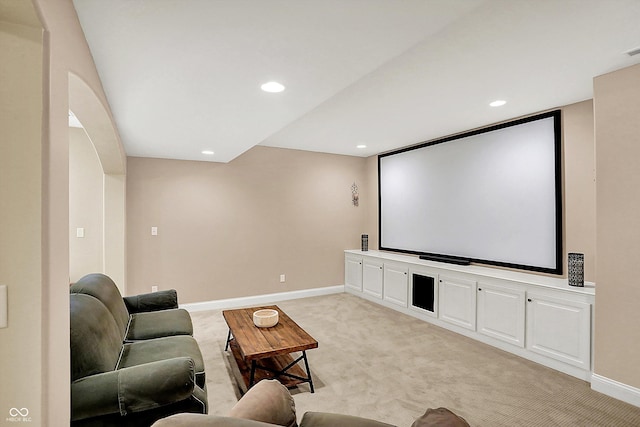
(261, 299)
(616, 389)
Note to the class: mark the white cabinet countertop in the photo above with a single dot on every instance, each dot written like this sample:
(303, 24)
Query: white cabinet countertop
(547, 281)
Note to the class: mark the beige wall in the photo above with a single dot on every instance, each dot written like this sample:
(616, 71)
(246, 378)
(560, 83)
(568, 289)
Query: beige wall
(617, 134)
(579, 185)
(115, 229)
(230, 230)
(35, 224)
(21, 194)
(86, 254)
(371, 204)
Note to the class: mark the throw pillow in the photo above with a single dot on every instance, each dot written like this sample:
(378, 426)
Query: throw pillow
(267, 401)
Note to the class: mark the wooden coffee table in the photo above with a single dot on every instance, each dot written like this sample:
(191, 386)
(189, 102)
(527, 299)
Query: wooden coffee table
(265, 353)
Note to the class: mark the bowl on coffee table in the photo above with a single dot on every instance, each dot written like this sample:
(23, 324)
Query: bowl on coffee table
(265, 318)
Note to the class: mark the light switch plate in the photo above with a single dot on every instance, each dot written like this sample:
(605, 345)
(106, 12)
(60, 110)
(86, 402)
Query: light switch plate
(79, 232)
(154, 231)
(3, 306)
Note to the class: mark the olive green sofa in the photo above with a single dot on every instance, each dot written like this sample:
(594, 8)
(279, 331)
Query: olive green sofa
(128, 369)
(269, 404)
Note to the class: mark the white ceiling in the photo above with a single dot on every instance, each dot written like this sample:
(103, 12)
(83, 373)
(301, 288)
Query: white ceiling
(183, 76)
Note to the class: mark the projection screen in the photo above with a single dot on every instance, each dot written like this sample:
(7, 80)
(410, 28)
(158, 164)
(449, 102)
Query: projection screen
(491, 196)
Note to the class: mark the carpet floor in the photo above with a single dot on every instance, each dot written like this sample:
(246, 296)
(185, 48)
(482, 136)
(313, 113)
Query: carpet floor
(377, 363)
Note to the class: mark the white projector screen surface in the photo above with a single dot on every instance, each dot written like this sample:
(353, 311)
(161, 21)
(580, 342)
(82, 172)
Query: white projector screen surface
(489, 196)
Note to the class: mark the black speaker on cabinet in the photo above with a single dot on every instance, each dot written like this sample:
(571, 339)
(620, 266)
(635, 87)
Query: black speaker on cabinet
(576, 269)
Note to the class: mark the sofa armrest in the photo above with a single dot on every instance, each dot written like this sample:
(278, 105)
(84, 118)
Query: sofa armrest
(161, 300)
(325, 419)
(134, 389)
(269, 402)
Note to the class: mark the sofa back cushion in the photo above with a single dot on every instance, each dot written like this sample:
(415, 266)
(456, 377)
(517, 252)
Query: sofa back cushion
(95, 338)
(103, 288)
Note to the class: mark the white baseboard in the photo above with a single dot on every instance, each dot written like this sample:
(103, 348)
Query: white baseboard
(261, 299)
(616, 389)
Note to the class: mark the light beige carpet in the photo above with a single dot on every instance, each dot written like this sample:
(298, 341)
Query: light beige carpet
(375, 362)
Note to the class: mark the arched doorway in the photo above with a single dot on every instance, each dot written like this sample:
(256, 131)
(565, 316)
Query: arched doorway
(100, 131)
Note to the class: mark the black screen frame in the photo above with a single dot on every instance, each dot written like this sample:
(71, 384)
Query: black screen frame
(557, 127)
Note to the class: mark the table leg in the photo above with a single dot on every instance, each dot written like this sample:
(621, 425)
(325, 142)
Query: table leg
(253, 373)
(226, 347)
(306, 365)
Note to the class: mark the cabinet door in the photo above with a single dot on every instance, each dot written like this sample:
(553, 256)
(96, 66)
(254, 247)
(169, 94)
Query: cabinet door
(372, 278)
(458, 301)
(501, 313)
(353, 272)
(560, 329)
(395, 284)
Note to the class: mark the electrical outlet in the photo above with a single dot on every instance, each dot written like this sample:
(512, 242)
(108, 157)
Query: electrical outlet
(282, 278)
(154, 289)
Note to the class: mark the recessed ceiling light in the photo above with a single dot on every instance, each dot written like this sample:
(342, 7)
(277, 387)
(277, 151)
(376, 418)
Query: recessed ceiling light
(273, 87)
(361, 146)
(498, 103)
(208, 152)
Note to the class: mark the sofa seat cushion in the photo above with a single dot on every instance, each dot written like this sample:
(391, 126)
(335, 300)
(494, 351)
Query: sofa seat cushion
(140, 352)
(156, 324)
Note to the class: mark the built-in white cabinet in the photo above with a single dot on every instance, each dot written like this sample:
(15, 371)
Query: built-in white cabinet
(559, 328)
(372, 277)
(395, 283)
(457, 301)
(501, 313)
(353, 272)
(537, 317)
